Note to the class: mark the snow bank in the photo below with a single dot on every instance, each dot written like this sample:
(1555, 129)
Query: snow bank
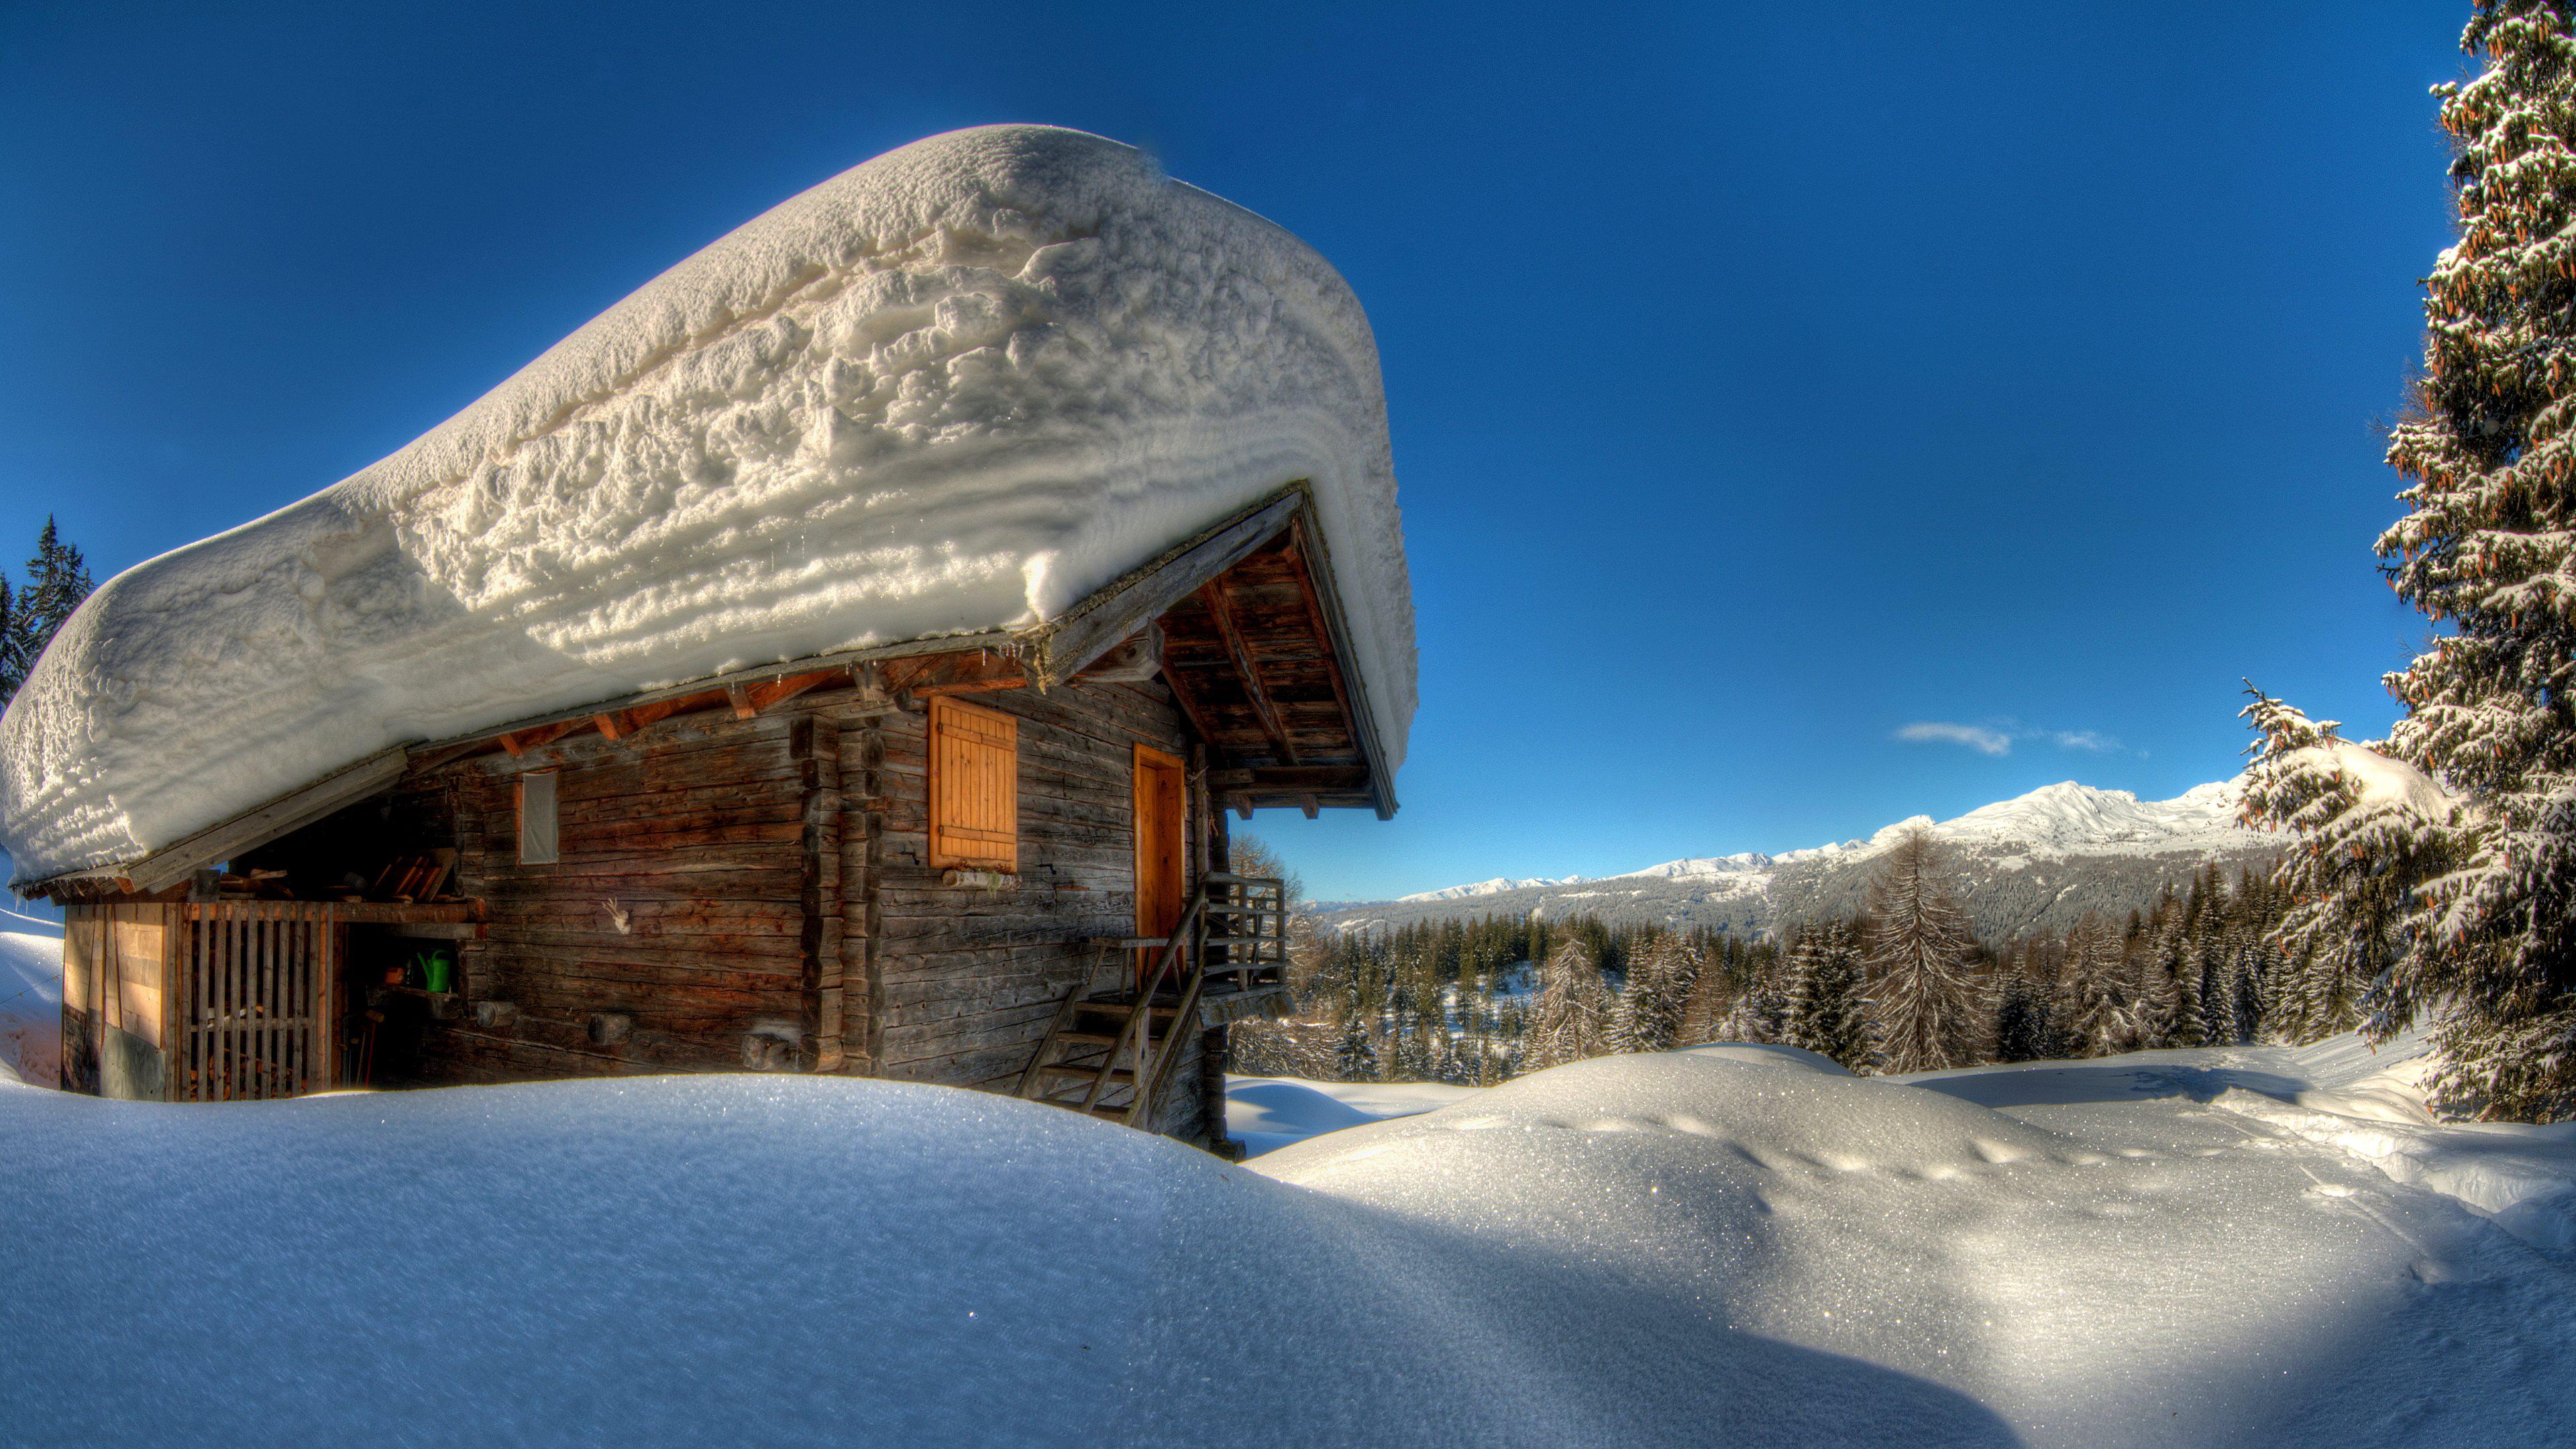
(954, 389)
(2116, 1263)
(31, 1001)
(1724, 1245)
(1267, 1113)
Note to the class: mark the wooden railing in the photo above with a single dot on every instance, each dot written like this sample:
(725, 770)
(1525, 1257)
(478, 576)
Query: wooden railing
(1241, 919)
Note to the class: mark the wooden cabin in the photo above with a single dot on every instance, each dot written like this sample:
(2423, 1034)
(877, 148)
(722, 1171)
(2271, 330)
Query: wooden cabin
(995, 861)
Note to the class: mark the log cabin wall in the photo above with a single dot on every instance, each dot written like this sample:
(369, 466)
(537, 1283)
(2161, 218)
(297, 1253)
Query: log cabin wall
(964, 978)
(758, 892)
(669, 930)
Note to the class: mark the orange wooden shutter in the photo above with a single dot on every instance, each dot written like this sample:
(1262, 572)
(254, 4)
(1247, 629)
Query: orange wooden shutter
(974, 786)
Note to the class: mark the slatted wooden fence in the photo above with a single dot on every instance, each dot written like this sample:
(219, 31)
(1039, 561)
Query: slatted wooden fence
(258, 1001)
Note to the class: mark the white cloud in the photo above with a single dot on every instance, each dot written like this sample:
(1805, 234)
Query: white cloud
(1999, 737)
(1975, 737)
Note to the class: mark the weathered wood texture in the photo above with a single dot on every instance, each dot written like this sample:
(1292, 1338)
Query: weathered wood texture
(1251, 658)
(689, 921)
(758, 891)
(117, 1000)
(965, 977)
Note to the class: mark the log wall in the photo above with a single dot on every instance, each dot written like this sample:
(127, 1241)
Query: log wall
(757, 892)
(670, 929)
(965, 977)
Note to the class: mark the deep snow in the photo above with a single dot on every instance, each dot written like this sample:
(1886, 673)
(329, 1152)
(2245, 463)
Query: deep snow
(954, 389)
(1726, 1244)
(31, 997)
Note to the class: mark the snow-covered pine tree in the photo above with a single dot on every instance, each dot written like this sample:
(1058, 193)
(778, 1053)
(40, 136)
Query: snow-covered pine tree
(1571, 1019)
(1712, 994)
(57, 580)
(1355, 1060)
(2178, 980)
(13, 658)
(2022, 1031)
(1828, 1011)
(1660, 978)
(2484, 931)
(1924, 1001)
(2094, 1009)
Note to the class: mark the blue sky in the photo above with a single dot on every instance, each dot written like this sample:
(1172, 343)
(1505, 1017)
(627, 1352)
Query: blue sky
(1806, 416)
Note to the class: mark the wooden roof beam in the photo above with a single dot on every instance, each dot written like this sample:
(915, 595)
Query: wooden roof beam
(1317, 620)
(1221, 609)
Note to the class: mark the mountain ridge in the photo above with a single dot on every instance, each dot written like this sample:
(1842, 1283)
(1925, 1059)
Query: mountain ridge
(2039, 860)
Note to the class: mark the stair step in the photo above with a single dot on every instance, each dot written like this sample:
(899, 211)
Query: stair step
(1124, 1009)
(1086, 1071)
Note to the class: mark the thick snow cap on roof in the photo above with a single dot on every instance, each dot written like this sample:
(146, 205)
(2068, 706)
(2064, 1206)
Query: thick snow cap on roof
(954, 389)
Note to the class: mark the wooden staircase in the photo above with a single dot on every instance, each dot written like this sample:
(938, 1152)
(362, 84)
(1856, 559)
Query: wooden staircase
(1109, 1052)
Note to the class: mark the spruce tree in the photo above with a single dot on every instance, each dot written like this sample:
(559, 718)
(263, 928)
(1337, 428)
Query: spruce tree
(1660, 978)
(1571, 1019)
(2022, 1032)
(2095, 1007)
(1828, 1011)
(1925, 1002)
(13, 657)
(1355, 1060)
(2479, 888)
(57, 580)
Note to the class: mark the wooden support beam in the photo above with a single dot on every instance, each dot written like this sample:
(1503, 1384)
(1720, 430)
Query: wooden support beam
(739, 696)
(519, 742)
(980, 686)
(778, 691)
(1221, 609)
(611, 726)
(1307, 804)
(644, 716)
(970, 672)
(813, 742)
(1061, 647)
(1320, 622)
(1289, 779)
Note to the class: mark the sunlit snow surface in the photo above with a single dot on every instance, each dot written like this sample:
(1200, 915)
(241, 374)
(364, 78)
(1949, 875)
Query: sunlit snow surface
(1714, 1246)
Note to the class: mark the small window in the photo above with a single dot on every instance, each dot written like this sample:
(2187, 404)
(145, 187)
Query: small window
(974, 786)
(537, 818)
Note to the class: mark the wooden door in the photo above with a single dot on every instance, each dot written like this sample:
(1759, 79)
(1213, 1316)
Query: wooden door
(1162, 847)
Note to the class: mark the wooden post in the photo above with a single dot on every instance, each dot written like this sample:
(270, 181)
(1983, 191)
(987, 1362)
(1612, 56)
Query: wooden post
(815, 745)
(1212, 1052)
(871, 920)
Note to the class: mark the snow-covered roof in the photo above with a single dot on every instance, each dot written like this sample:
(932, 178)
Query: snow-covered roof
(950, 391)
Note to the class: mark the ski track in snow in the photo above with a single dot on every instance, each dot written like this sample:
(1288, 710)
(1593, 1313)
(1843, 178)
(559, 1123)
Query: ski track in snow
(1725, 1244)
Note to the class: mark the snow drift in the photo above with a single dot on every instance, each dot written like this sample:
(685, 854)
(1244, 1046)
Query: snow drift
(1722, 1245)
(952, 390)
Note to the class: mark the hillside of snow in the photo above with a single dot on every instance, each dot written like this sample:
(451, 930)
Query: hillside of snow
(953, 390)
(1722, 1245)
(2038, 861)
(31, 997)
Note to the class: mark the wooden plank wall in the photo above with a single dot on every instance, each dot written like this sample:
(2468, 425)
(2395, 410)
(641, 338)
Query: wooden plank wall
(675, 916)
(964, 978)
(118, 964)
(773, 874)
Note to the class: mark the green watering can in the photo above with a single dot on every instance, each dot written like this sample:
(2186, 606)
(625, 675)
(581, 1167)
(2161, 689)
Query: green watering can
(437, 969)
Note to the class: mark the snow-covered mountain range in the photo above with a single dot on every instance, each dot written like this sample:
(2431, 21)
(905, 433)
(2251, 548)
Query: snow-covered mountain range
(2037, 861)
